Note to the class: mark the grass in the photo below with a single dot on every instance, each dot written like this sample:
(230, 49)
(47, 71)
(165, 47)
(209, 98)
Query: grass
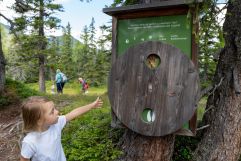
(71, 88)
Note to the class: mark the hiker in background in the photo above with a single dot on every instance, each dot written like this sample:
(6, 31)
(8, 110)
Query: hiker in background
(58, 80)
(84, 85)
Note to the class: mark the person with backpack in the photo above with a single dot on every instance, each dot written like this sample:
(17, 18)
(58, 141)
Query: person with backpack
(60, 79)
(84, 85)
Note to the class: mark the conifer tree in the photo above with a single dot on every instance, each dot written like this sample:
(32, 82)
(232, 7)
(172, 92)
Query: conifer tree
(210, 41)
(66, 51)
(36, 17)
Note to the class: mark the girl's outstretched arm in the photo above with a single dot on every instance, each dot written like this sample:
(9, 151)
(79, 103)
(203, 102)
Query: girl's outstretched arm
(83, 109)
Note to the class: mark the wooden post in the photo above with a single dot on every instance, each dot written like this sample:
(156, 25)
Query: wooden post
(127, 71)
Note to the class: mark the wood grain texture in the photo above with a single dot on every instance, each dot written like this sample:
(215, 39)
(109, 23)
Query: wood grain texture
(148, 6)
(151, 13)
(174, 94)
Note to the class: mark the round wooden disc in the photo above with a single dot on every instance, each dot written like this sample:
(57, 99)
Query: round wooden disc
(170, 90)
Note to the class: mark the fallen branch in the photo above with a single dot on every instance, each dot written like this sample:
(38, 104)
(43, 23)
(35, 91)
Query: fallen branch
(203, 127)
(211, 107)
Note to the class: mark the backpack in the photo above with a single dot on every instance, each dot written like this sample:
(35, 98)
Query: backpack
(86, 85)
(64, 78)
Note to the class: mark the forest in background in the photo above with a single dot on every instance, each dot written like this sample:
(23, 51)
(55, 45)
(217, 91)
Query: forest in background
(89, 58)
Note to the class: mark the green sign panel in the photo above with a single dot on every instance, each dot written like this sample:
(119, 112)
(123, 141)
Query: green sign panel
(174, 30)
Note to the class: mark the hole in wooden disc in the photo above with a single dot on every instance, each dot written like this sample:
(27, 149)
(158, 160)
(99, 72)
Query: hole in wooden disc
(153, 61)
(148, 115)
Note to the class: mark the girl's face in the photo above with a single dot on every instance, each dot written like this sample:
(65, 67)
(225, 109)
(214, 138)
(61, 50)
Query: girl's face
(50, 114)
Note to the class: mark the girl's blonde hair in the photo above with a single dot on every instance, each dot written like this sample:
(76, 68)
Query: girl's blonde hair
(32, 111)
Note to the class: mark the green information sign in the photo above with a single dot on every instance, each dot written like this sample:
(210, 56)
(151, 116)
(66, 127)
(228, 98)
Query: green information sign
(175, 30)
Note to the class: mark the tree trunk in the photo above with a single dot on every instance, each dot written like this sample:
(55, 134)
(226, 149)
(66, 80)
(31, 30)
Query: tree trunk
(52, 74)
(42, 87)
(2, 66)
(144, 148)
(222, 140)
(42, 47)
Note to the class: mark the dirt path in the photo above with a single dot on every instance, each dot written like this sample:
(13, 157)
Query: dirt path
(10, 132)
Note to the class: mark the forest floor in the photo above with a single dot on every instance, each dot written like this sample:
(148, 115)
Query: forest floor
(10, 132)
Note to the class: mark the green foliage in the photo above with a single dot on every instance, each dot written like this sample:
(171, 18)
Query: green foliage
(4, 100)
(34, 17)
(22, 65)
(6, 38)
(201, 108)
(183, 148)
(14, 91)
(20, 89)
(210, 41)
(124, 2)
(41, 14)
(90, 137)
(94, 63)
(67, 51)
(184, 145)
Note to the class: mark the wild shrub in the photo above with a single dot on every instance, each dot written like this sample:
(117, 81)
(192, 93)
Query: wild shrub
(90, 137)
(184, 147)
(15, 91)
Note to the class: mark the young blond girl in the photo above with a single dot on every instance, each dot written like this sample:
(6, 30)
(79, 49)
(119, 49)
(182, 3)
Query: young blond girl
(44, 126)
